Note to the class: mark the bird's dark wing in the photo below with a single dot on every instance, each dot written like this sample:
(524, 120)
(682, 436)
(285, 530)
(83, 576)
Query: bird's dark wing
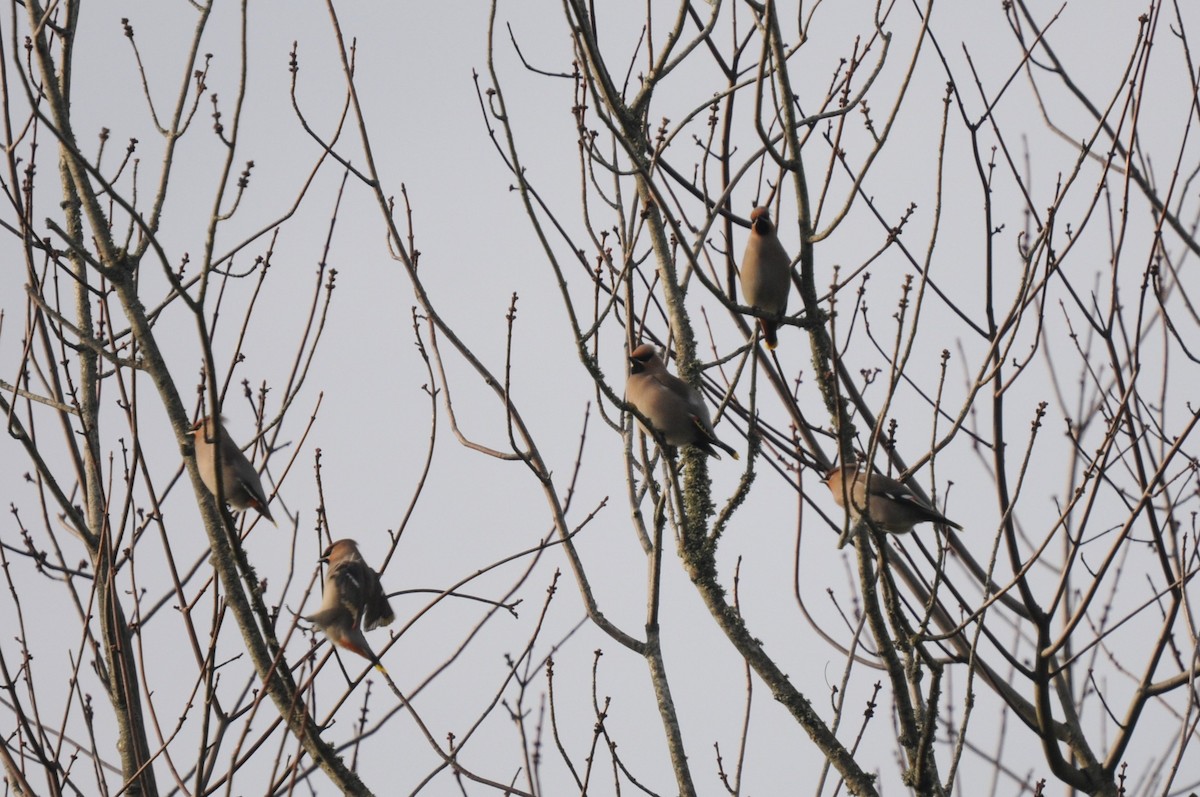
(353, 580)
(895, 491)
(377, 611)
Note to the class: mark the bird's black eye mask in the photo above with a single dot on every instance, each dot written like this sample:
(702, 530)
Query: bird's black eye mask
(638, 364)
(762, 225)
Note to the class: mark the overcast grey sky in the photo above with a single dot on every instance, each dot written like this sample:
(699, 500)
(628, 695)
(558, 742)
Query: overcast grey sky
(414, 69)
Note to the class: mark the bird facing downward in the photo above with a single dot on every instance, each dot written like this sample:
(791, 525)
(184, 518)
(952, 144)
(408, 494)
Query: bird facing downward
(354, 601)
(674, 408)
(239, 480)
(766, 274)
(889, 504)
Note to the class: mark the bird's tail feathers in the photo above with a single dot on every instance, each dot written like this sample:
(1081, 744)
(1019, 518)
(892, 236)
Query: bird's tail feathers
(260, 506)
(935, 516)
(770, 332)
(724, 447)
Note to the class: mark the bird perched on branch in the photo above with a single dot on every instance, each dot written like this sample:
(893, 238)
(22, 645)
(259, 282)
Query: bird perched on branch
(240, 484)
(674, 408)
(766, 274)
(887, 503)
(354, 601)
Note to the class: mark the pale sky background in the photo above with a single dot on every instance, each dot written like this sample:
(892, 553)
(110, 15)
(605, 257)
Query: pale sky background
(414, 69)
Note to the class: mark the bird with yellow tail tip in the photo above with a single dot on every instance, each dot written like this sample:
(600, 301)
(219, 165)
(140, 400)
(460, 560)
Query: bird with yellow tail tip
(674, 408)
(240, 485)
(766, 274)
(354, 601)
(887, 503)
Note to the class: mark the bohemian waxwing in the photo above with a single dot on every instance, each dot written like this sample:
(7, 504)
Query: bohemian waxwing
(674, 408)
(766, 274)
(889, 504)
(353, 602)
(239, 481)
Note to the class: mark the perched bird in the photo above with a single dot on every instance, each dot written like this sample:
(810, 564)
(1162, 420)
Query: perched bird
(353, 602)
(889, 504)
(674, 408)
(766, 274)
(239, 481)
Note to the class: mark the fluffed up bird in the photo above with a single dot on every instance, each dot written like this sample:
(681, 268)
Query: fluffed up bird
(674, 408)
(239, 481)
(889, 504)
(354, 601)
(766, 274)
